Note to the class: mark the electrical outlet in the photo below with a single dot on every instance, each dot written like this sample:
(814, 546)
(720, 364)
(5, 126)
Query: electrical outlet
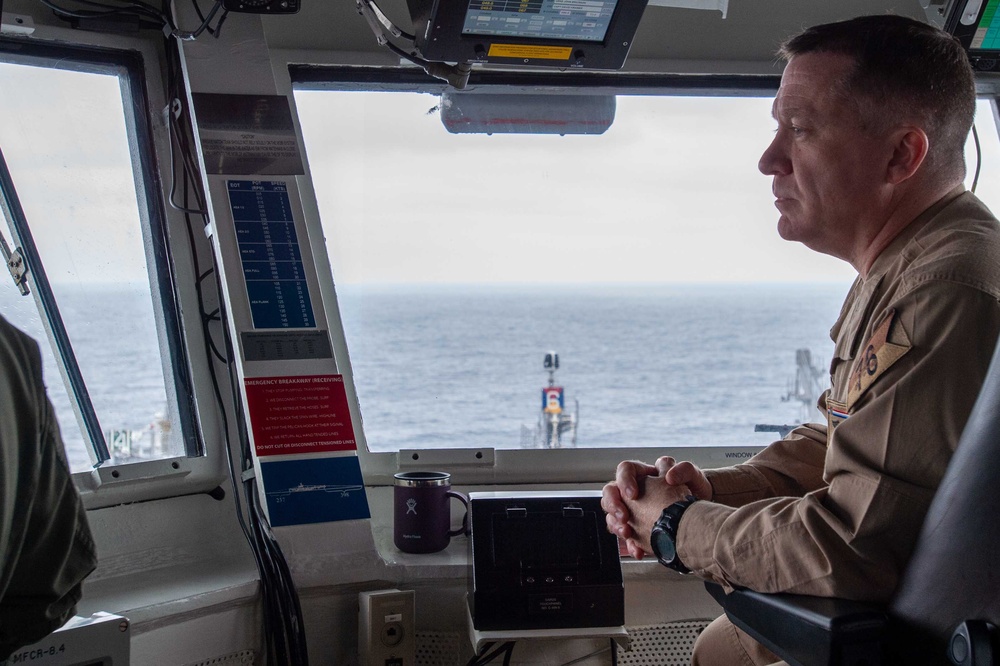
(386, 628)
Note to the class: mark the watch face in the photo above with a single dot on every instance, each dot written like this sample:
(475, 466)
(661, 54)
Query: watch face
(663, 546)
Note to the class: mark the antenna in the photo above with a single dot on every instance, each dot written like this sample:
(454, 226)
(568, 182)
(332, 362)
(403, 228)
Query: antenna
(551, 364)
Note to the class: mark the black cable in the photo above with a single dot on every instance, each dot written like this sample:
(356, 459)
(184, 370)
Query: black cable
(477, 658)
(161, 18)
(177, 136)
(457, 75)
(415, 59)
(487, 656)
(250, 530)
(979, 158)
(284, 630)
(166, 12)
(194, 34)
(197, 10)
(134, 7)
(222, 408)
(173, 169)
(83, 13)
(375, 9)
(218, 26)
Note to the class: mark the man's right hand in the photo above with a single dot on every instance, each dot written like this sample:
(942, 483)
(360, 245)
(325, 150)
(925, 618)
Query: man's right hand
(686, 473)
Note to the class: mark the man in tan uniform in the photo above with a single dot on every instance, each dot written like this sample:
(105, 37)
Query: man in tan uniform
(867, 165)
(45, 545)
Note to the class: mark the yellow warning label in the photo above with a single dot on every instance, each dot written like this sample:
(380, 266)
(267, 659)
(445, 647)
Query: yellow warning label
(530, 52)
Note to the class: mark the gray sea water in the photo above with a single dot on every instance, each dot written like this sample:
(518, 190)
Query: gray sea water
(461, 366)
(114, 339)
(661, 365)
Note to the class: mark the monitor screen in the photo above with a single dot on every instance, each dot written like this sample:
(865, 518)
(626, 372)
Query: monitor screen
(546, 539)
(987, 34)
(976, 24)
(575, 20)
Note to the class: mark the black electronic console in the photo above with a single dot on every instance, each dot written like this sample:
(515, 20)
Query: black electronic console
(585, 34)
(543, 560)
(976, 24)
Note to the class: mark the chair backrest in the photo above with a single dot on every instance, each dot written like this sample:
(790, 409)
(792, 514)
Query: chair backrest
(954, 574)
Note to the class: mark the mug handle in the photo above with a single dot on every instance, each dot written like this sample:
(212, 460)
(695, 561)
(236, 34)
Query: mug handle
(464, 529)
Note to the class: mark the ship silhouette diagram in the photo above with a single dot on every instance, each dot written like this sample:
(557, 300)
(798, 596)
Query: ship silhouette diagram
(344, 490)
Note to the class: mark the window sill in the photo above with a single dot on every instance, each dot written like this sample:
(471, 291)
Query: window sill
(453, 561)
(171, 595)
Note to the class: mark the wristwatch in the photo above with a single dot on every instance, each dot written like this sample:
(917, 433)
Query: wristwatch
(663, 538)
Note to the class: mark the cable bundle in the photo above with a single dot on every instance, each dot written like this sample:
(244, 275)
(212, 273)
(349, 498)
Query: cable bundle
(284, 630)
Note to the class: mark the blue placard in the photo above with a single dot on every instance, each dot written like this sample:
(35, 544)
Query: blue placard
(314, 490)
(273, 271)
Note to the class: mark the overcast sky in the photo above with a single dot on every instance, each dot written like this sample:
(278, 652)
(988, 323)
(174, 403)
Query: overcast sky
(670, 193)
(63, 137)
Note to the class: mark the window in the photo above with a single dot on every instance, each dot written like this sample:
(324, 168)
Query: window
(73, 138)
(645, 256)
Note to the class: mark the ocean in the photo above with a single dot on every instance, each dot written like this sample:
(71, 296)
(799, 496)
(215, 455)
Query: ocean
(115, 342)
(651, 365)
(461, 366)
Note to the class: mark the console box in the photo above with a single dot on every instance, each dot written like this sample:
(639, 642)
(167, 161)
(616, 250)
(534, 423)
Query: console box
(543, 560)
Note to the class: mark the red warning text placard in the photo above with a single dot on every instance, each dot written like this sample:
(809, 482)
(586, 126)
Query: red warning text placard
(299, 415)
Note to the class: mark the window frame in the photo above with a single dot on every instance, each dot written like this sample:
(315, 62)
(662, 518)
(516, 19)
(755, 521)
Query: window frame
(202, 468)
(516, 466)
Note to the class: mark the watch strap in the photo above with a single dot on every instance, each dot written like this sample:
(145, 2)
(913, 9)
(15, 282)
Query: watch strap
(669, 522)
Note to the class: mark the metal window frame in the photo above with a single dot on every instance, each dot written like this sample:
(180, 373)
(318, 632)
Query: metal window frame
(130, 69)
(483, 465)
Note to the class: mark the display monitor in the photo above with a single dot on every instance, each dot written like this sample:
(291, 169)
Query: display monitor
(585, 34)
(976, 24)
(582, 20)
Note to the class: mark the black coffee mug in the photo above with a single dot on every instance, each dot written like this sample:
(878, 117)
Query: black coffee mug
(422, 514)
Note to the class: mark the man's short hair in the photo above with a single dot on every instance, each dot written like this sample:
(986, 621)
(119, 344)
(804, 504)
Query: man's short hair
(905, 71)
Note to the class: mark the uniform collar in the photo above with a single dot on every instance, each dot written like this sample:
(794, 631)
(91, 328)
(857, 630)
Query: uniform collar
(859, 300)
(885, 259)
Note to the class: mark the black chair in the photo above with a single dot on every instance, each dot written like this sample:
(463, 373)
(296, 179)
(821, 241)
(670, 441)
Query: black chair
(947, 607)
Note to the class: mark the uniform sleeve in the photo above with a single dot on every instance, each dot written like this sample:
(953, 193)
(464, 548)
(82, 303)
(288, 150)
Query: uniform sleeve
(791, 466)
(48, 548)
(853, 536)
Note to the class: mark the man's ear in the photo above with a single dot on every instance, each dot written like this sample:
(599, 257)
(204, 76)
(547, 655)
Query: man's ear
(909, 150)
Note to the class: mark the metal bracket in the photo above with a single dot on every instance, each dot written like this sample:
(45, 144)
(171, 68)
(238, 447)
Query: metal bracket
(445, 458)
(18, 270)
(716, 5)
(365, 9)
(16, 24)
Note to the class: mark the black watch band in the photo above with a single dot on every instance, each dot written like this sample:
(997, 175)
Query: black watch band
(668, 525)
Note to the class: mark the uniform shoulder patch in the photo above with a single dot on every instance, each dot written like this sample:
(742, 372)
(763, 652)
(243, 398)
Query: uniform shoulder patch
(876, 356)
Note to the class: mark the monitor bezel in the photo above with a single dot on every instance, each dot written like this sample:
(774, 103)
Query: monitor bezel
(983, 60)
(441, 39)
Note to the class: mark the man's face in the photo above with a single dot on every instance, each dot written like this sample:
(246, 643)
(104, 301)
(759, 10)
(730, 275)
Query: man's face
(827, 173)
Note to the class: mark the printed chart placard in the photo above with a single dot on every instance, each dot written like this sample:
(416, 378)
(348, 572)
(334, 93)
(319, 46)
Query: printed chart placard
(273, 270)
(292, 415)
(247, 135)
(316, 490)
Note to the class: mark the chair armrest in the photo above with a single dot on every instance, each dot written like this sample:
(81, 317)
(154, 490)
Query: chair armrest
(808, 631)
